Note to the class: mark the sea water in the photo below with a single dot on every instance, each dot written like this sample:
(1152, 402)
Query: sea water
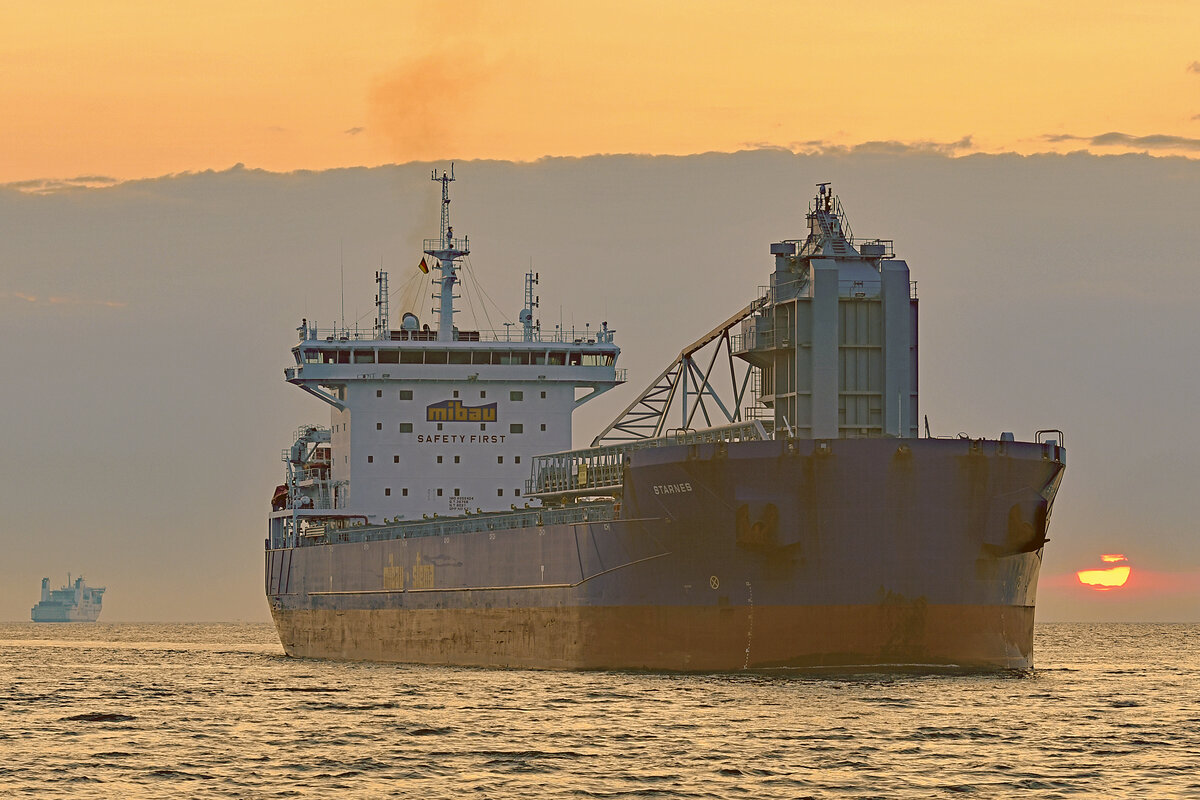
(154, 711)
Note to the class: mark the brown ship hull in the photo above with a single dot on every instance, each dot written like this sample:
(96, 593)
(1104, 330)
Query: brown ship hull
(725, 639)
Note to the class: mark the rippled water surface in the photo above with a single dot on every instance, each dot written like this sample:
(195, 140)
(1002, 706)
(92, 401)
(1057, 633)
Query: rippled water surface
(154, 711)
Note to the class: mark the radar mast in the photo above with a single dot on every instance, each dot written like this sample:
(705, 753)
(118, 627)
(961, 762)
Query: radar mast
(447, 250)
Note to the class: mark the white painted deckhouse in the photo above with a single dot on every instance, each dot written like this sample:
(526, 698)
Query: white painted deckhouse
(436, 421)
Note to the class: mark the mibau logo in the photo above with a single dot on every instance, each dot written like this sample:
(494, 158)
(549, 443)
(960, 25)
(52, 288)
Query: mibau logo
(455, 411)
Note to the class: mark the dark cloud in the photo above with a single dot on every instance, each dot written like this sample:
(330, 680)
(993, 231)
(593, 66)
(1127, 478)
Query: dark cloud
(355, 131)
(884, 147)
(53, 185)
(1154, 141)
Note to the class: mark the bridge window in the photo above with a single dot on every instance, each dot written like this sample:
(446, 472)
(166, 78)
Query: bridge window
(575, 359)
(435, 357)
(558, 359)
(412, 357)
(312, 356)
(539, 358)
(481, 357)
(364, 356)
(343, 356)
(460, 357)
(390, 356)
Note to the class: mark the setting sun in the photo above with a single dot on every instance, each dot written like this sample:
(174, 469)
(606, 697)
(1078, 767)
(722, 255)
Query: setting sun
(1105, 579)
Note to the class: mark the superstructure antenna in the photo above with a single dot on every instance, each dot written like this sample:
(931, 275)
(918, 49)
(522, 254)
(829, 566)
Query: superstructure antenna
(342, 267)
(447, 250)
(381, 305)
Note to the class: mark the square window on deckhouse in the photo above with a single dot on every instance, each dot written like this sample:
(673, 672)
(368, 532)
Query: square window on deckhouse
(406, 427)
(516, 396)
(406, 394)
(387, 492)
(439, 492)
(516, 427)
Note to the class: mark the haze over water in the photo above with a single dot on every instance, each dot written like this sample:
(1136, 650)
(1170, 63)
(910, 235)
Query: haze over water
(149, 711)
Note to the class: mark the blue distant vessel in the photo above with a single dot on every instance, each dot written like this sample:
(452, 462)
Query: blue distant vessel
(75, 602)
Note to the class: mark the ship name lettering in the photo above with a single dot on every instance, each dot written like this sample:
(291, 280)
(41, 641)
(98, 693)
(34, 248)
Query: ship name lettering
(672, 488)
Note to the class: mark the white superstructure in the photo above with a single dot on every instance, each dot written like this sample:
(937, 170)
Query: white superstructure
(434, 422)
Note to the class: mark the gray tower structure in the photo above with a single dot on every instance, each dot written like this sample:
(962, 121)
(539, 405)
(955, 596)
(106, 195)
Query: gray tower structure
(836, 339)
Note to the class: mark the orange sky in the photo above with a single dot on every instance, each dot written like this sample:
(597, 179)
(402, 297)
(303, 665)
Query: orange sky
(134, 89)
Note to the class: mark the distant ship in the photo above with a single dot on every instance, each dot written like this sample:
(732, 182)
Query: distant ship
(75, 602)
(767, 502)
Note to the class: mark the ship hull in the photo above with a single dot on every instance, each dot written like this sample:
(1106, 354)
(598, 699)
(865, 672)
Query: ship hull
(750, 555)
(54, 612)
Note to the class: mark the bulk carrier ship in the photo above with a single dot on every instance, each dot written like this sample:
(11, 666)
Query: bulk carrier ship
(767, 502)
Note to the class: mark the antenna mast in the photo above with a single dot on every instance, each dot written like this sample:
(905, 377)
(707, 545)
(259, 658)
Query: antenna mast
(381, 305)
(447, 250)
